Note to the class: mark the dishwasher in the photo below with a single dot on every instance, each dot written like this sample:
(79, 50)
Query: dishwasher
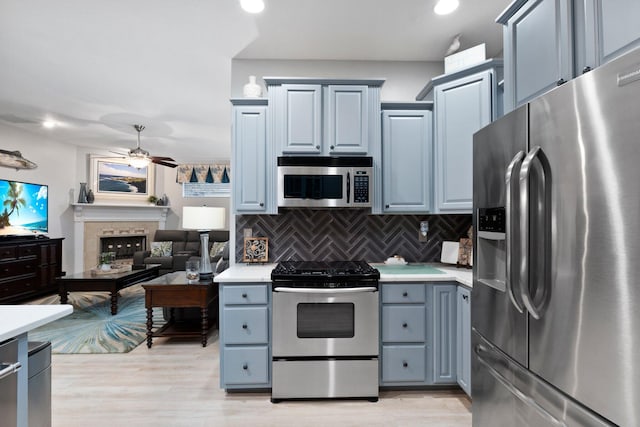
(9, 366)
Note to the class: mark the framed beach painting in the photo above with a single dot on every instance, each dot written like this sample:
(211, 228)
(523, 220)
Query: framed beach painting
(113, 179)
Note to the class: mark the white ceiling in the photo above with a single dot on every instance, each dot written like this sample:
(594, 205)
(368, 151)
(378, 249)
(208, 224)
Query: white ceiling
(98, 67)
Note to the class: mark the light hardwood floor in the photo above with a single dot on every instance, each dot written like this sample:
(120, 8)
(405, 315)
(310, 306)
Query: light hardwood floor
(176, 383)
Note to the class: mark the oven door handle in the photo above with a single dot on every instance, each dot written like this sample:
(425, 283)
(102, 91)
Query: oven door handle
(325, 290)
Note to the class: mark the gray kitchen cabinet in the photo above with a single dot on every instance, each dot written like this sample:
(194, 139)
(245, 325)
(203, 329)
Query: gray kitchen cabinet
(407, 171)
(301, 119)
(461, 107)
(325, 116)
(604, 30)
(405, 344)
(249, 158)
(347, 119)
(463, 339)
(245, 336)
(444, 334)
(548, 42)
(538, 50)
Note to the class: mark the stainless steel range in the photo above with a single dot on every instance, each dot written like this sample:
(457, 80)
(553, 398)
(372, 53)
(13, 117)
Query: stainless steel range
(325, 330)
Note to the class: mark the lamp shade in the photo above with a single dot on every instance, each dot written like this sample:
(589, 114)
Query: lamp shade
(203, 218)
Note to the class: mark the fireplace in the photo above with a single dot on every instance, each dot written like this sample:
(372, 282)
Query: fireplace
(124, 225)
(123, 246)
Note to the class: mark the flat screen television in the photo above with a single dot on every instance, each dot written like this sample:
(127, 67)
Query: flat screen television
(24, 208)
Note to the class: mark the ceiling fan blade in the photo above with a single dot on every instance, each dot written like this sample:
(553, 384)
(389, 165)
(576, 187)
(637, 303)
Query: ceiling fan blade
(160, 162)
(162, 158)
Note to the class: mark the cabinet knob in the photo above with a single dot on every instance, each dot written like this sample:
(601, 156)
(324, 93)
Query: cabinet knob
(244, 326)
(586, 69)
(386, 206)
(405, 294)
(317, 147)
(465, 297)
(404, 325)
(244, 295)
(261, 204)
(560, 82)
(245, 366)
(332, 147)
(404, 364)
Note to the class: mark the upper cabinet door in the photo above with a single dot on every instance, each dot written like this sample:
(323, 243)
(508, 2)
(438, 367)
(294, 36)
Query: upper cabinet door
(302, 118)
(605, 29)
(538, 50)
(462, 107)
(249, 159)
(347, 119)
(406, 161)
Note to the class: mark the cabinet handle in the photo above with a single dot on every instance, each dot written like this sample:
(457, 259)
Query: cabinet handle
(404, 364)
(244, 326)
(560, 82)
(386, 206)
(465, 297)
(586, 69)
(245, 366)
(404, 325)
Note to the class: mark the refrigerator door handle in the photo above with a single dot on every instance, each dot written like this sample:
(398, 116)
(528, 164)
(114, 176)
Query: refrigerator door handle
(480, 350)
(525, 172)
(516, 161)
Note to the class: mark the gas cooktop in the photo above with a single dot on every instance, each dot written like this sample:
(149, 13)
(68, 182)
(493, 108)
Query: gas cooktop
(324, 270)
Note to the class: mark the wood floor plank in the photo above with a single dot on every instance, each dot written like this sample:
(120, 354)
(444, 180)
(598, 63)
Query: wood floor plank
(176, 383)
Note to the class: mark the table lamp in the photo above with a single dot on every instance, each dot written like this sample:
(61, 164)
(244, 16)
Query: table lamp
(203, 219)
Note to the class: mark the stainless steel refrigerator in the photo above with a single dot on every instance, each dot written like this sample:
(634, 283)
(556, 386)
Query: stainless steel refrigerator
(556, 283)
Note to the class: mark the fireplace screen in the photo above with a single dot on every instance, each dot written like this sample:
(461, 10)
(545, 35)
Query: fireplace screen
(123, 246)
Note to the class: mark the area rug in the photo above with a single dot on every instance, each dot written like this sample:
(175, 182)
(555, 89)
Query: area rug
(92, 329)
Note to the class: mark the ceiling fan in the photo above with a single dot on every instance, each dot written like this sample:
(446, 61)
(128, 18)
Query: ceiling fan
(140, 158)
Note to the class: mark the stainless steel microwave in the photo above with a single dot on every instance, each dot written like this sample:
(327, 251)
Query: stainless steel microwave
(325, 182)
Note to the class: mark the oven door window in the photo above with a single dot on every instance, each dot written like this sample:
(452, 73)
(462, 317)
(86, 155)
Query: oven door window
(314, 187)
(325, 320)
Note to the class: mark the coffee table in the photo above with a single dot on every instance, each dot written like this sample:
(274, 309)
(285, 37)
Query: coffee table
(173, 290)
(112, 283)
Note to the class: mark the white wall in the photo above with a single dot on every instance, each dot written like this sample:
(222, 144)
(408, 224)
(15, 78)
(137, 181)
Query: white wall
(404, 79)
(57, 167)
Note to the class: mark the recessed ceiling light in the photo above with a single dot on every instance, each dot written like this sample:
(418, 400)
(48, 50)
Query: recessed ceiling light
(252, 6)
(49, 124)
(445, 7)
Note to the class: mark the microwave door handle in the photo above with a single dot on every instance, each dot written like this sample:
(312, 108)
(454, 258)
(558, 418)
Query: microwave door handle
(348, 186)
(509, 229)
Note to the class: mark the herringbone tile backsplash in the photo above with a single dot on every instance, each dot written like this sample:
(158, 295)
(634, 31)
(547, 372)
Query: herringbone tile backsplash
(333, 235)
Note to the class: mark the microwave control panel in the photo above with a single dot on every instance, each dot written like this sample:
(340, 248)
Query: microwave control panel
(361, 188)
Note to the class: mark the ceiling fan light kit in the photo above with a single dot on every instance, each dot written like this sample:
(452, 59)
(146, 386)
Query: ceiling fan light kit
(252, 6)
(139, 158)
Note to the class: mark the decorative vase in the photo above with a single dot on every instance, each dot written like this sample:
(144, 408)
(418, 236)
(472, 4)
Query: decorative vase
(252, 89)
(90, 196)
(82, 197)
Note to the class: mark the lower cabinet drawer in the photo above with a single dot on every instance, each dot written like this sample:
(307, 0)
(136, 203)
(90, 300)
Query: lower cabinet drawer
(245, 325)
(403, 363)
(248, 294)
(246, 365)
(403, 323)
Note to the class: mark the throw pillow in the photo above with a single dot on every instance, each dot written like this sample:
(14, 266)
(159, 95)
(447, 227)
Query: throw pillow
(161, 248)
(216, 249)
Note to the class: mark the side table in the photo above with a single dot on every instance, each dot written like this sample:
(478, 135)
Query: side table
(174, 290)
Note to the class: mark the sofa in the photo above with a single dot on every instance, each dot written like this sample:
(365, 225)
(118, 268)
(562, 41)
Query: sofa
(185, 245)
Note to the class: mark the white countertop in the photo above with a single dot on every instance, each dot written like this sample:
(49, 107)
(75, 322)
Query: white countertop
(246, 273)
(18, 319)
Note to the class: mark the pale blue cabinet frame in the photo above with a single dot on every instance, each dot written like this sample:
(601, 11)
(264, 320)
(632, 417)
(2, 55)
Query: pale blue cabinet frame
(463, 339)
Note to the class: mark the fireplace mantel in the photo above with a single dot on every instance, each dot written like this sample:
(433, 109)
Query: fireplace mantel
(110, 213)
